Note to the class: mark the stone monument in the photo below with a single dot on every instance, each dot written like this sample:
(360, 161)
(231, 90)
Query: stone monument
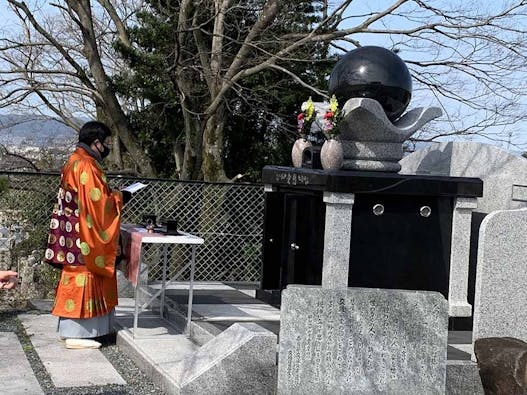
(362, 341)
(375, 88)
(501, 280)
(358, 314)
(503, 173)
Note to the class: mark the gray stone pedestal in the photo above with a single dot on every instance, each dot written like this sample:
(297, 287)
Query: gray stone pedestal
(337, 236)
(458, 305)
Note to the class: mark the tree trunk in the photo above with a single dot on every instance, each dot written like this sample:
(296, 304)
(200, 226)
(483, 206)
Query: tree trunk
(190, 169)
(115, 158)
(212, 153)
(107, 100)
(178, 151)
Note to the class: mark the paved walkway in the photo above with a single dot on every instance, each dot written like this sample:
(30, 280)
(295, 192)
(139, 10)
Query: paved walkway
(91, 366)
(16, 375)
(66, 368)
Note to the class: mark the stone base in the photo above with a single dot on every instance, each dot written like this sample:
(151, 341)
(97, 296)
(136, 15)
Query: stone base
(239, 360)
(372, 150)
(371, 165)
(460, 309)
(462, 378)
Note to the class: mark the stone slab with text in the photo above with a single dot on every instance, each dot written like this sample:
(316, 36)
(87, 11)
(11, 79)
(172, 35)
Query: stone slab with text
(362, 341)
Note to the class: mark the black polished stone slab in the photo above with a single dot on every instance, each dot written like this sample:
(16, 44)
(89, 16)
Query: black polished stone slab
(371, 182)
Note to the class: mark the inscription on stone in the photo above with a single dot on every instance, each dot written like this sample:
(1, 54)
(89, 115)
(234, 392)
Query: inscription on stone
(362, 341)
(292, 178)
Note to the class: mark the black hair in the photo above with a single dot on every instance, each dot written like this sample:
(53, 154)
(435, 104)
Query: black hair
(92, 131)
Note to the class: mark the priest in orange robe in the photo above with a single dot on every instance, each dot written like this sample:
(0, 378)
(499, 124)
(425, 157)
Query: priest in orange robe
(84, 241)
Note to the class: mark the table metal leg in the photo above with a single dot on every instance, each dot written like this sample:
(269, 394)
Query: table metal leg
(136, 312)
(136, 291)
(191, 291)
(170, 280)
(163, 284)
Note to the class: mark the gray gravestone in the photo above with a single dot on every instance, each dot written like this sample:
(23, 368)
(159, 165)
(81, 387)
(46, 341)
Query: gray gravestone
(504, 175)
(501, 280)
(362, 341)
(337, 236)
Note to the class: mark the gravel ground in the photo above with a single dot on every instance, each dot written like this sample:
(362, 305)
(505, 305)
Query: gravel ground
(137, 382)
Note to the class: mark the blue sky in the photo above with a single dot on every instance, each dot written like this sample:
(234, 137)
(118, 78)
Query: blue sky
(517, 131)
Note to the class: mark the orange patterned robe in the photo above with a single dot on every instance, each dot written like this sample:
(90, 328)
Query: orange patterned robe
(87, 287)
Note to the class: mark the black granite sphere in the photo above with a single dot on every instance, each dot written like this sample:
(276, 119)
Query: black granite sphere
(376, 73)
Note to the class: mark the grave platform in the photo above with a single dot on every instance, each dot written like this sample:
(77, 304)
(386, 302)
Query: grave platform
(161, 345)
(216, 307)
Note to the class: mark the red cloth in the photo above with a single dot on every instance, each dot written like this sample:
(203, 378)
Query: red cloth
(132, 236)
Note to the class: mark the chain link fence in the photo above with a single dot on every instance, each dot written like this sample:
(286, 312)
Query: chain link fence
(229, 217)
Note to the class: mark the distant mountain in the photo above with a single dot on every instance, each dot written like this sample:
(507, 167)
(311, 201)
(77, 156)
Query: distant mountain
(35, 131)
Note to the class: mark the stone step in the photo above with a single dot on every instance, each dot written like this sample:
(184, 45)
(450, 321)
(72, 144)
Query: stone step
(16, 375)
(67, 368)
(155, 349)
(239, 359)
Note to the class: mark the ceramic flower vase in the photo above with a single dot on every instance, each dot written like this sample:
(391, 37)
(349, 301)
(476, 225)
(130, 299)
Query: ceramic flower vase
(296, 153)
(332, 155)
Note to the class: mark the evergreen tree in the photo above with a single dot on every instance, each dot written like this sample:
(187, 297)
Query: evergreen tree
(261, 110)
